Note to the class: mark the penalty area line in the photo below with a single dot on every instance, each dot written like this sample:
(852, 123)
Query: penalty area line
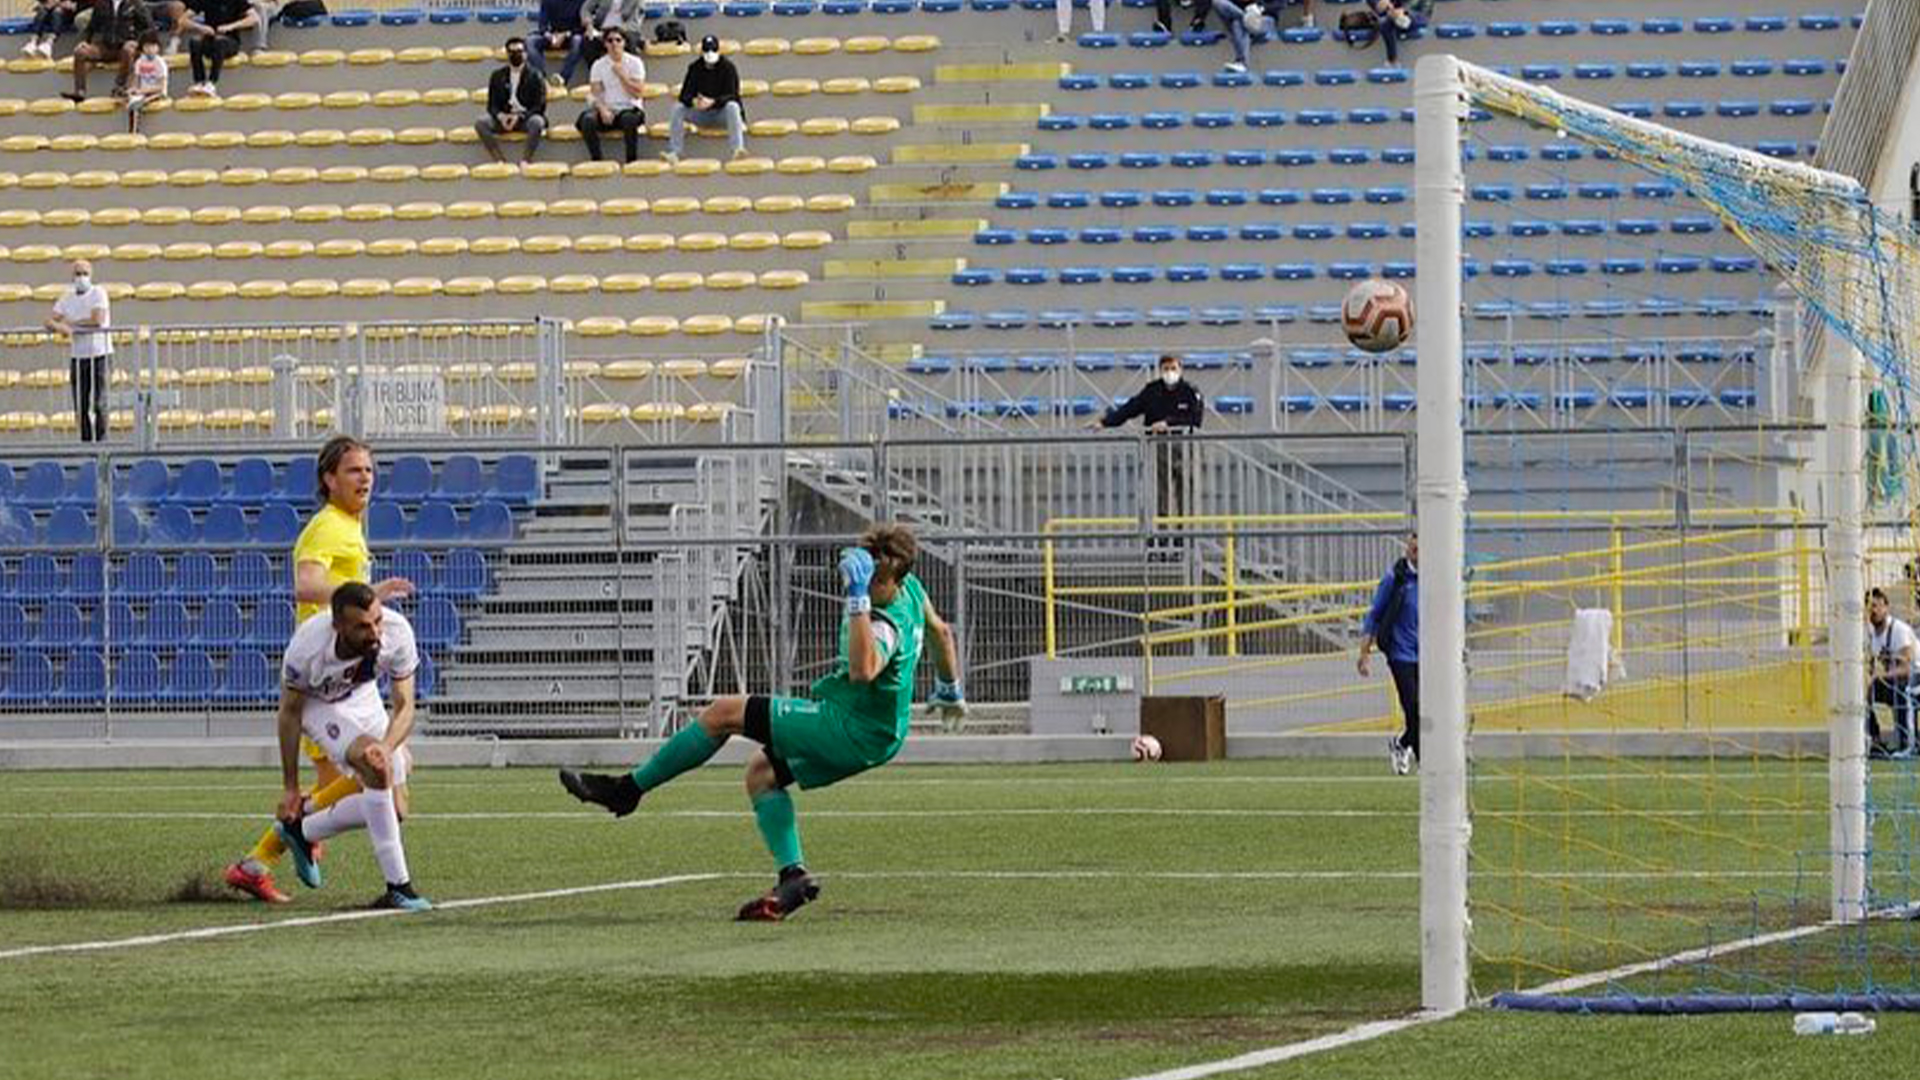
(206, 932)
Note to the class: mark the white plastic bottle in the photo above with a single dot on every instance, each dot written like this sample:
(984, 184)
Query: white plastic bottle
(1828, 1023)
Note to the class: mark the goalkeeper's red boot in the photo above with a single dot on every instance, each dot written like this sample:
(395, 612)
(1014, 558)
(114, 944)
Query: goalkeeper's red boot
(796, 889)
(257, 885)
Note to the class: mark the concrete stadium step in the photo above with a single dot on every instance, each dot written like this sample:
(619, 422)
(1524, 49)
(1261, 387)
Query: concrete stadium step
(1302, 332)
(344, 309)
(719, 269)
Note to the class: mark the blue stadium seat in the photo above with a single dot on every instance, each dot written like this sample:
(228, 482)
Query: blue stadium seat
(220, 626)
(461, 479)
(1122, 199)
(492, 522)
(1455, 31)
(70, 526)
(1169, 80)
(43, 487)
(1316, 117)
(1059, 122)
(192, 678)
(1282, 79)
(277, 525)
(199, 483)
(225, 526)
(271, 625)
(250, 574)
(1383, 76)
(250, 676)
(1691, 225)
(436, 622)
(385, 523)
(195, 574)
(1264, 118)
(61, 623)
(83, 677)
(1129, 80)
(1089, 161)
(167, 624)
(253, 483)
(436, 522)
(1793, 107)
(1778, 148)
(129, 527)
(30, 678)
(516, 480)
(1297, 404)
(141, 575)
(172, 525)
(13, 625)
(1595, 71)
(1684, 110)
(1739, 399)
(1820, 21)
(409, 481)
(1804, 66)
(1015, 275)
(147, 482)
(1699, 69)
(296, 485)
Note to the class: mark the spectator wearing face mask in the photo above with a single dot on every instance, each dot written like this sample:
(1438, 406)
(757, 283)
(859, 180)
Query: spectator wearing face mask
(1169, 405)
(710, 97)
(83, 315)
(516, 101)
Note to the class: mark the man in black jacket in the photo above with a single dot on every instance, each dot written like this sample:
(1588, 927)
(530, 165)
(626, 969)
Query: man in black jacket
(710, 97)
(516, 101)
(1168, 406)
(112, 37)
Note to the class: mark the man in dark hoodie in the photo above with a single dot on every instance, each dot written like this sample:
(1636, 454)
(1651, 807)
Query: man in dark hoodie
(710, 98)
(1169, 405)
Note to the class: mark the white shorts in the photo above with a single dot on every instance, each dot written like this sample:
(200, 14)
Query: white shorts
(334, 725)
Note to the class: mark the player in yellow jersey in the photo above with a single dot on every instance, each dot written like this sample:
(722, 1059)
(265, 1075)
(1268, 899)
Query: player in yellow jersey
(331, 551)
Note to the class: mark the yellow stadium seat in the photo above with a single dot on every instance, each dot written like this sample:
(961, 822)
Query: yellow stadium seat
(658, 412)
(443, 172)
(624, 207)
(602, 326)
(778, 204)
(702, 241)
(470, 54)
(625, 283)
(340, 247)
(238, 249)
(806, 240)
(417, 286)
(468, 372)
(499, 414)
(243, 177)
(266, 214)
(23, 144)
(44, 378)
(135, 252)
(205, 376)
(317, 213)
(180, 419)
(263, 289)
(255, 375)
(653, 325)
(830, 203)
(22, 421)
(469, 209)
(215, 215)
(388, 247)
(89, 252)
(394, 174)
(708, 412)
(547, 170)
(678, 281)
(469, 286)
(816, 46)
(93, 178)
(46, 179)
(521, 208)
(916, 43)
(749, 166)
(596, 243)
(767, 46)
(753, 88)
(419, 136)
(495, 245)
(801, 166)
(646, 167)
(730, 280)
(756, 324)
(603, 412)
(291, 174)
(64, 218)
(121, 140)
(696, 167)
(875, 125)
(753, 241)
(687, 368)
(730, 368)
(850, 84)
(48, 293)
(866, 44)
(313, 288)
(34, 253)
(192, 177)
(365, 57)
(418, 211)
(896, 84)
(10, 107)
(229, 419)
(852, 163)
(320, 138)
(347, 99)
(394, 98)
(114, 217)
(674, 205)
(594, 170)
(572, 208)
(212, 290)
(159, 290)
(726, 204)
(667, 48)
(256, 102)
(288, 249)
(321, 57)
(573, 283)
(824, 125)
(368, 211)
(370, 136)
(521, 284)
(646, 242)
(49, 106)
(186, 251)
(271, 139)
(795, 87)
(272, 58)
(462, 136)
(546, 244)
(444, 246)
(73, 142)
(365, 288)
(783, 279)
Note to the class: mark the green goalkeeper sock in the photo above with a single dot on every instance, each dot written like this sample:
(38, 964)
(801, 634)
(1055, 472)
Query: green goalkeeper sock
(689, 748)
(773, 810)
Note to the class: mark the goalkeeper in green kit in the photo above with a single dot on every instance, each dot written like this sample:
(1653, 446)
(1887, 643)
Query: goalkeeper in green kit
(855, 719)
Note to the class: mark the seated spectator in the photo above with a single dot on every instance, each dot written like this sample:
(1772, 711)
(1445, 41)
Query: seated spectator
(214, 36)
(149, 79)
(266, 11)
(1063, 16)
(600, 16)
(516, 101)
(557, 28)
(1390, 20)
(51, 18)
(1240, 23)
(112, 37)
(1163, 20)
(710, 97)
(615, 84)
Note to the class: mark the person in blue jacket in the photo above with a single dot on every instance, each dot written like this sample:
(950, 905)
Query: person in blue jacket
(1393, 625)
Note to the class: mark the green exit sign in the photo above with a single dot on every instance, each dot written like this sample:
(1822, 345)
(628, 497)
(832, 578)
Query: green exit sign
(1096, 684)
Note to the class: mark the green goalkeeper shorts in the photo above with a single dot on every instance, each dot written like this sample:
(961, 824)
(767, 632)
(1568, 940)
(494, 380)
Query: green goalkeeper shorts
(815, 743)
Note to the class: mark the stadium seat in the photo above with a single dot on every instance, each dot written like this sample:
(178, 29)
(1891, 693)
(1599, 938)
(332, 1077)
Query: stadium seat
(141, 575)
(466, 574)
(516, 480)
(225, 526)
(172, 525)
(436, 623)
(271, 625)
(61, 623)
(250, 676)
(70, 526)
(167, 624)
(220, 625)
(191, 678)
(83, 677)
(147, 482)
(277, 525)
(250, 574)
(409, 480)
(199, 483)
(253, 482)
(385, 523)
(30, 677)
(492, 522)
(195, 574)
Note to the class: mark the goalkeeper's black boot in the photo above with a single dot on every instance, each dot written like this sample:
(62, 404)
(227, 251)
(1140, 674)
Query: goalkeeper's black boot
(795, 889)
(618, 794)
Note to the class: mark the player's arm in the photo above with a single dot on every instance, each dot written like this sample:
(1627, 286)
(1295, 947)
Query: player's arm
(949, 698)
(310, 584)
(1371, 629)
(856, 579)
(401, 724)
(291, 701)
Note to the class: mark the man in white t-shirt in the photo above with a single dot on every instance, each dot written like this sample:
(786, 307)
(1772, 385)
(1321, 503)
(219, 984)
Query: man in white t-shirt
(1891, 646)
(83, 314)
(329, 690)
(614, 88)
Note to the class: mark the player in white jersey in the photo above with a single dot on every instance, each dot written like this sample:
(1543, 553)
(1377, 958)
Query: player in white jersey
(329, 689)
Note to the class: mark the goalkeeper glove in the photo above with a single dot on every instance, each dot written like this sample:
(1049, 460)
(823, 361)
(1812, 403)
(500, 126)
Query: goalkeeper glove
(856, 576)
(949, 700)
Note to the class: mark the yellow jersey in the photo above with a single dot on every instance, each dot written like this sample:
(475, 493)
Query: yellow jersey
(337, 540)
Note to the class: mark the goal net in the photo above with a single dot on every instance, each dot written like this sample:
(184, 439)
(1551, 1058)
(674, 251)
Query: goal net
(1646, 533)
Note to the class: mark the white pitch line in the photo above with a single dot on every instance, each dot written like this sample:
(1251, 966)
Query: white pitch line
(985, 812)
(1274, 1054)
(205, 932)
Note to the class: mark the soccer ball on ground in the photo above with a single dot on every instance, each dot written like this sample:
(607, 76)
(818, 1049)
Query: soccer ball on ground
(1146, 748)
(1377, 315)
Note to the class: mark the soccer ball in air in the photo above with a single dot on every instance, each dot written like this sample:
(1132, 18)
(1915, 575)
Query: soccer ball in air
(1378, 316)
(1146, 748)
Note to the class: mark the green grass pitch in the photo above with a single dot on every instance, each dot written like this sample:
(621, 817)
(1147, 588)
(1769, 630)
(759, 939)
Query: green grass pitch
(1040, 921)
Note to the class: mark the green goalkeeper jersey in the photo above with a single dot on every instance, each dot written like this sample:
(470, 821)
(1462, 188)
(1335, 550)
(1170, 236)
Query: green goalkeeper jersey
(880, 710)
